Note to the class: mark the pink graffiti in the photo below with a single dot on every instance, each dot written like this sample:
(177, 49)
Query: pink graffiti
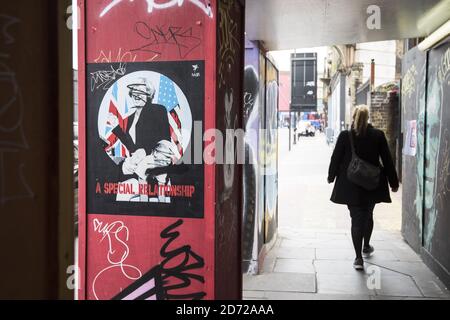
(153, 5)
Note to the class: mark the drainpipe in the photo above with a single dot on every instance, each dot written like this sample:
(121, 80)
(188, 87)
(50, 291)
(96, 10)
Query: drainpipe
(372, 75)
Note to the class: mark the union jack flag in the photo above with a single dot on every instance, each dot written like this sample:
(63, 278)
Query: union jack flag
(115, 146)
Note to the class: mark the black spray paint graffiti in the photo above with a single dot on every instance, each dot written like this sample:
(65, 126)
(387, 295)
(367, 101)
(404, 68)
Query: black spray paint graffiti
(183, 39)
(169, 279)
(12, 138)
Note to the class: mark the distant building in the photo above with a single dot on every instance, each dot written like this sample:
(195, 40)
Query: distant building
(350, 80)
(304, 82)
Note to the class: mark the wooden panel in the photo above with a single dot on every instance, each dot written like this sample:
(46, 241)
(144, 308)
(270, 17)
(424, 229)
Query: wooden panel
(230, 66)
(437, 170)
(29, 149)
(157, 245)
(413, 109)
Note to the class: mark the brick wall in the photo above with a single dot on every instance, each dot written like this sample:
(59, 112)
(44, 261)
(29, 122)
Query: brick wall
(385, 113)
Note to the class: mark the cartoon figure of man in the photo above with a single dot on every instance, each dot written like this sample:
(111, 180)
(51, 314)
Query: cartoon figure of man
(147, 135)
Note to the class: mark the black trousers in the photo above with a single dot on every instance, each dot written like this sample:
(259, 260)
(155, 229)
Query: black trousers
(362, 226)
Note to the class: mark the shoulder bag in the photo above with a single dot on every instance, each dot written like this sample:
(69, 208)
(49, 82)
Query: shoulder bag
(360, 172)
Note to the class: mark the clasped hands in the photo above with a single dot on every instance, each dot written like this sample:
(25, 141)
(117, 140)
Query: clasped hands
(139, 162)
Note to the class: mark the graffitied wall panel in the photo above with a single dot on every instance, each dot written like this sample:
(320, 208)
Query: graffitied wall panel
(251, 175)
(170, 267)
(230, 66)
(146, 30)
(145, 70)
(437, 168)
(271, 152)
(262, 153)
(29, 147)
(413, 108)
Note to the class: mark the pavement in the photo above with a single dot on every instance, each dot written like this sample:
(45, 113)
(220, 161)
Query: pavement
(313, 254)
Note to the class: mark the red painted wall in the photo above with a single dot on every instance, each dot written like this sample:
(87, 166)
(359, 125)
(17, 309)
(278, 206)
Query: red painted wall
(127, 252)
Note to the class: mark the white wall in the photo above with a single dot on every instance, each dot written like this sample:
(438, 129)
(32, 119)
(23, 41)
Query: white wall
(334, 110)
(384, 54)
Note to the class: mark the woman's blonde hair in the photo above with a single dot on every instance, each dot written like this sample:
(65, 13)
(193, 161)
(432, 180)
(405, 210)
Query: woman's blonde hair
(360, 119)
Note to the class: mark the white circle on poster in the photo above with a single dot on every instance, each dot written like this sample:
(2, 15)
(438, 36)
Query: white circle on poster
(118, 101)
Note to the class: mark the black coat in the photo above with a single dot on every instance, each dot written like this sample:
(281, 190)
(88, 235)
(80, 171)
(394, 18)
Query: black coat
(151, 128)
(370, 147)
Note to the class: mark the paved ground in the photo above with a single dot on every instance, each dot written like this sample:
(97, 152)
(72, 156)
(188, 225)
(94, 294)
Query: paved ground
(312, 257)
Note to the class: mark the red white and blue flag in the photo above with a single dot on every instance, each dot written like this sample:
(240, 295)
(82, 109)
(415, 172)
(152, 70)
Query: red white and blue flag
(114, 144)
(168, 98)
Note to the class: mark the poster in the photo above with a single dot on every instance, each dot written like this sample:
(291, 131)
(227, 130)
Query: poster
(140, 129)
(411, 139)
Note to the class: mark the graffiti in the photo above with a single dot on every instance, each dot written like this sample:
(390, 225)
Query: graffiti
(229, 43)
(443, 176)
(409, 81)
(249, 101)
(270, 146)
(271, 129)
(413, 109)
(12, 137)
(7, 22)
(250, 172)
(105, 78)
(109, 57)
(155, 37)
(152, 5)
(117, 235)
(444, 68)
(169, 279)
(229, 144)
(437, 186)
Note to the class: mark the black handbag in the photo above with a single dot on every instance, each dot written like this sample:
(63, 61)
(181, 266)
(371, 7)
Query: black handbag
(362, 173)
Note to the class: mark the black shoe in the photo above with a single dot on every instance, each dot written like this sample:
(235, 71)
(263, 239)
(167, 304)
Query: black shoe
(358, 264)
(367, 251)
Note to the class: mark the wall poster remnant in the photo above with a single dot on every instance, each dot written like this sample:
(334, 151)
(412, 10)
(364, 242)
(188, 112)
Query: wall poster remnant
(410, 146)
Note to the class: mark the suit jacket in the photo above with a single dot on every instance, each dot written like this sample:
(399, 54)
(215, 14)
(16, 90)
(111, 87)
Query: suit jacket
(370, 147)
(152, 127)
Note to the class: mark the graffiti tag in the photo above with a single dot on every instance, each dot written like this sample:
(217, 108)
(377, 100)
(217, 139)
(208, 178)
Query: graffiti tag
(169, 279)
(181, 38)
(117, 235)
(105, 78)
(152, 5)
(11, 120)
(229, 44)
(125, 56)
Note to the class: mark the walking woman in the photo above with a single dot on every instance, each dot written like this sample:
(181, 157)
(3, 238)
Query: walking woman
(369, 145)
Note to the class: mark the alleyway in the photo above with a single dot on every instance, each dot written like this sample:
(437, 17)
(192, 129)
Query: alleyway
(312, 257)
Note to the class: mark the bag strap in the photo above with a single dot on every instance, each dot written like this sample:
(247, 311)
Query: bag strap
(352, 144)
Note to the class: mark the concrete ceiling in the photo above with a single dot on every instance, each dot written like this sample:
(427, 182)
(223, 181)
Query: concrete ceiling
(288, 24)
